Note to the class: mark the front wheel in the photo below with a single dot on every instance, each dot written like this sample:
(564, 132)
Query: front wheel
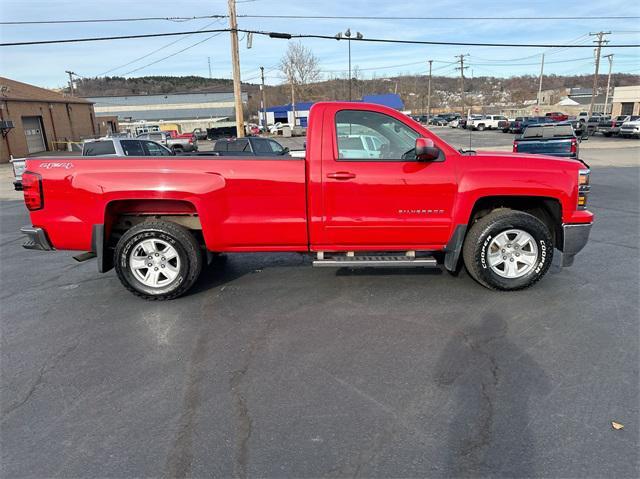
(508, 250)
(481, 127)
(158, 260)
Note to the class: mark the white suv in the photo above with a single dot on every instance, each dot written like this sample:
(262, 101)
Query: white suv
(630, 128)
(486, 122)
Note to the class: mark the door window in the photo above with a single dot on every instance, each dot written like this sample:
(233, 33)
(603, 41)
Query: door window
(393, 140)
(132, 148)
(153, 149)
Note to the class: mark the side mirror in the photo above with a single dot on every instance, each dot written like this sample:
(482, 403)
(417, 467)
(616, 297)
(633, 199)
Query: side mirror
(285, 151)
(426, 150)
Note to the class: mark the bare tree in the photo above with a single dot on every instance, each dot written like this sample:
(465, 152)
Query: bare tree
(300, 67)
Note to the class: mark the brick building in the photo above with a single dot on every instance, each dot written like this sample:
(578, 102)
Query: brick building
(33, 120)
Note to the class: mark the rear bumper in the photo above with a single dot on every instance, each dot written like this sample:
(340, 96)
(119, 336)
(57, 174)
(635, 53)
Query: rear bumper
(36, 239)
(574, 238)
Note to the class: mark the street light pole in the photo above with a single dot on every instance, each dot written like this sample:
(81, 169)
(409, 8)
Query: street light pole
(347, 34)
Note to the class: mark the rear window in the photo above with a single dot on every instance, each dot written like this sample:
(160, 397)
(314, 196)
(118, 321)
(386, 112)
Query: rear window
(98, 148)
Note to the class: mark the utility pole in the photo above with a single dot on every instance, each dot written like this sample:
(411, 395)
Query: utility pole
(600, 42)
(606, 98)
(461, 68)
(429, 94)
(293, 100)
(540, 83)
(70, 73)
(263, 103)
(209, 62)
(235, 59)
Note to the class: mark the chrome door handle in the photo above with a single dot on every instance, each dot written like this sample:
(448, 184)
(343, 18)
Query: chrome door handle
(341, 175)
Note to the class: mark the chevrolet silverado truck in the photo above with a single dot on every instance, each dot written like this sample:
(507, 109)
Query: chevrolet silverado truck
(419, 202)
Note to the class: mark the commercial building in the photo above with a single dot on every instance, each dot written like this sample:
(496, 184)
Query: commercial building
(184, 111)
(626, 100)
(285, 113)
(34, 120)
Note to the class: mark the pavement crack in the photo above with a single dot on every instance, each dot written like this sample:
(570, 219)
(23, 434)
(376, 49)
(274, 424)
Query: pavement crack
(244, 423)
(47, 367)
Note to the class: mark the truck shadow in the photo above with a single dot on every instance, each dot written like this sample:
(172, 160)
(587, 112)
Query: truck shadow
(492, 383)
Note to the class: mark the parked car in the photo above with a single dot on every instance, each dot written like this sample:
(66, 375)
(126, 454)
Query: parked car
(249, 146)
(455, 123)
(178, 144)
(199, 133)
(124, 147)
(584, 115)
(630, 128)
(592, 123)
(438, 120)
(555, 139)
(533, 120)
(557, 116)
(486, 122)
(515, 125)
(420, 202)
(611, 126)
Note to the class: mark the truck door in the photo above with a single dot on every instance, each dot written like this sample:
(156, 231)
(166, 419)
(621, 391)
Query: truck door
(385, 198)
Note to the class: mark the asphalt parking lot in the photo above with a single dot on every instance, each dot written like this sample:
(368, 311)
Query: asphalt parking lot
(274, 369)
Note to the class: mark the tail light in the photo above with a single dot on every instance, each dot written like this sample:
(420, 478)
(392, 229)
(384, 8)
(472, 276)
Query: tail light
(574, 145)
(583, 188)
(515, 146)
(32, 189)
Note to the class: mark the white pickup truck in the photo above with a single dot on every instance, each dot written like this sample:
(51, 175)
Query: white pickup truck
(486, 122)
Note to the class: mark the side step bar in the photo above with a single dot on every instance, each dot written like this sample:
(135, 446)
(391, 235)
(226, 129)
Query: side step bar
(375, 261)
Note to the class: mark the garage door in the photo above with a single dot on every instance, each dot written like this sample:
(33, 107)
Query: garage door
(33, 131)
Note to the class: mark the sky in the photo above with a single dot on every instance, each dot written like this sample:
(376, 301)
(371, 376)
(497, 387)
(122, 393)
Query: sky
(45, 65)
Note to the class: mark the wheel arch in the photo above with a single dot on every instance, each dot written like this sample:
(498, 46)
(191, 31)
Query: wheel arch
(546, 209)
(122, 214)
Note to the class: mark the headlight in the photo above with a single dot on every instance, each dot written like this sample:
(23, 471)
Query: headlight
(583, 188)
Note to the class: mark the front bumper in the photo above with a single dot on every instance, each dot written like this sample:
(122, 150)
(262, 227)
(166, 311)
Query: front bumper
(36, 239)
(574, 238)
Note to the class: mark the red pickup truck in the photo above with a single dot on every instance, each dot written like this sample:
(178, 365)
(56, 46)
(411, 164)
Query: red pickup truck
(399, 196)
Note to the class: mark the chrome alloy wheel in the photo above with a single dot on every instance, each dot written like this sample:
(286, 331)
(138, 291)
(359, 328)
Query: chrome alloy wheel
(154, 262)
(512, 253)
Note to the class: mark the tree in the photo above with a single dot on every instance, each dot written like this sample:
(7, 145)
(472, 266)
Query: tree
(300, 67)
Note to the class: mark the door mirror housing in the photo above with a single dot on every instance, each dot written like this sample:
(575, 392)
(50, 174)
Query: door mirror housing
(426, 150)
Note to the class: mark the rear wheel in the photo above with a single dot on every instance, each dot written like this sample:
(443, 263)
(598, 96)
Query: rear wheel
(508, 250)
(158, 260)
(481, 127)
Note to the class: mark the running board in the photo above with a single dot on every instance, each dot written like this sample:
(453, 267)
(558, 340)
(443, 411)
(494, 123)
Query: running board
(376, 261)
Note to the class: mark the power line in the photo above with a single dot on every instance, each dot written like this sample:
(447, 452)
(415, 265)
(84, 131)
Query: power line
(288, 36)
(171, 55)
(312, 17)
(154, 51)
(355, 17)
(111, 20)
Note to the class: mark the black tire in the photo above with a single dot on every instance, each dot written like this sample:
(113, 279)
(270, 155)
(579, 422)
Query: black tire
(185, 244)
(607, 134)
(478, 241)
(177, 149)
(481, 127)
